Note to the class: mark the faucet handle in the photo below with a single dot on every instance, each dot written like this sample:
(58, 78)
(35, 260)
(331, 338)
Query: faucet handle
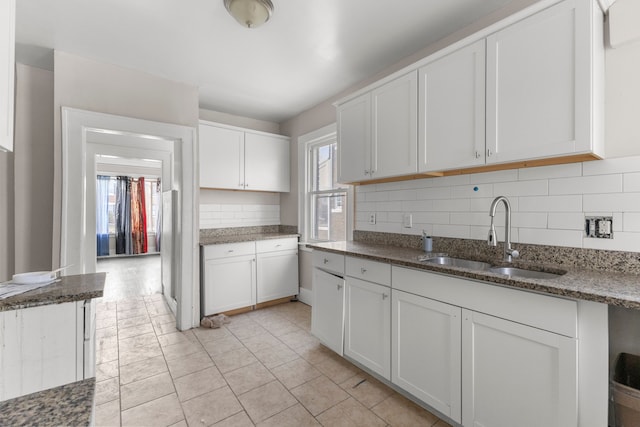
(513, 252)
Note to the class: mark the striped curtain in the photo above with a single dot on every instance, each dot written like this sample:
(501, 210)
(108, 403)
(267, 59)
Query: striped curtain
(102, 215)
(138, 217)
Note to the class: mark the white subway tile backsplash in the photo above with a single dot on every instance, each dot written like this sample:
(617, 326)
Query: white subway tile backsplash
(433, 193)
(621, 241)
(548, 172)
(631, 182)
(630, 222)
(529, 219)
(548, 204)
(566, 220)
(586, 185)
(623, 202)
(431, 217)
(571, 203)
(495, 176)
(453, 231)
(537, 236)
(522, 188)
(221, 216)
(451, 205)
(607, 166)
(472, 191)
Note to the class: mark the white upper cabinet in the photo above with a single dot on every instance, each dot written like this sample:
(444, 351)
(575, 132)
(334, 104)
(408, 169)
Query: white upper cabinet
(395, 127)
(235, 159)
(378, 133)
(451, 106)
(221, 157)
(544, 82)
(7, 70)
(354, 139)
(266, 163)
(527, 88)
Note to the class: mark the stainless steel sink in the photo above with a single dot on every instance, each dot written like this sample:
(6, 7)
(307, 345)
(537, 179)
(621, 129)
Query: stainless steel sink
(458, 262)
(525, 274)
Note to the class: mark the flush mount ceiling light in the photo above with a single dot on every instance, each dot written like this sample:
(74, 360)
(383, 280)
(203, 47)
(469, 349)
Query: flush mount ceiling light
(250, 13)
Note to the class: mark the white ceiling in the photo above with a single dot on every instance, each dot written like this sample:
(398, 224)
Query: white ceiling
(307, 52)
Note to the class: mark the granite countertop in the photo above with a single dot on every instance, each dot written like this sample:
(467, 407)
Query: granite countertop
(620, 289)
(236, 238)
(67, 405)
(70, 288)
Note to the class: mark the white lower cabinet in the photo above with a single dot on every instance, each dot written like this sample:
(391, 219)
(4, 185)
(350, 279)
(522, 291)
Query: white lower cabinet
(513, 374)
(277, 269)
(230, 284)
(45, 347)
(426, 351)
(368, 325)
(327, 314)
(239, 275)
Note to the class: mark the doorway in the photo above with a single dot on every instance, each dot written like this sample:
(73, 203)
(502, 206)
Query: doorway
(129, 227)
(88, 134)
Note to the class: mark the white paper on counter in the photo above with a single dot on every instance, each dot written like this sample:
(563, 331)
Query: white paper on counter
(9, 289)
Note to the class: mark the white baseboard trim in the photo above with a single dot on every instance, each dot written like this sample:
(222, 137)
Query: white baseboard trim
(306, 296)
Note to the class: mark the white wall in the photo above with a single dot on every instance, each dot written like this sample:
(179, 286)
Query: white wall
(33, 168)
(96, 86)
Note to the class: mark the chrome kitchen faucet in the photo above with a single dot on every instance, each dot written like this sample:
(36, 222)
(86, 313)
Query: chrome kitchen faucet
(509, 253)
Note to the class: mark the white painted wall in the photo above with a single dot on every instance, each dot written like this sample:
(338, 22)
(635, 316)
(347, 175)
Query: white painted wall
(33, 168)
(96, 86)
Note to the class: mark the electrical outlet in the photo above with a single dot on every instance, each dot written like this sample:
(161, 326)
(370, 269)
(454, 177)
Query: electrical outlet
(407, 220)
(598, 227)
(372, 218)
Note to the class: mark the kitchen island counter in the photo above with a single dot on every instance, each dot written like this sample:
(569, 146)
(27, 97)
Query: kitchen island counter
(68, 289)
(613, 288)
(67, 405)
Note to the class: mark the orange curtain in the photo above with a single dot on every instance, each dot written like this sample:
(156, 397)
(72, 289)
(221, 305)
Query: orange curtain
(138, 217)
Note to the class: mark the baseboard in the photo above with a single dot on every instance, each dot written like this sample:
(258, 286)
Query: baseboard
(306, 296)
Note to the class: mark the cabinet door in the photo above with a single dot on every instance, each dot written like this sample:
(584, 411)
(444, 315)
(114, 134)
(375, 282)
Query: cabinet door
(514, 374)
(221, 157)
(354, 139)
(39, 347)
(327, 313)
(426, 351)
(395, 127)
(452, 110)
(277, 275)
(367, 325)
(229, 283)
(266, 163)
(540, 85)
(7, 70)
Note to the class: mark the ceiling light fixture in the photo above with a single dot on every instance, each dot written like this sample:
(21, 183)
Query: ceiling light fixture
(250, 13)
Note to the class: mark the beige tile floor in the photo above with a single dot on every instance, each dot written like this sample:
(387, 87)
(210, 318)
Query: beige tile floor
(264, 368)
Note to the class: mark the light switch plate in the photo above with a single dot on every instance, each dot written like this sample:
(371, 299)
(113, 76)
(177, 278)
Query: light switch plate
(407, 220)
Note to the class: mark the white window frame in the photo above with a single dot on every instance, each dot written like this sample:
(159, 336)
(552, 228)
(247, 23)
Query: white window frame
(305, 142)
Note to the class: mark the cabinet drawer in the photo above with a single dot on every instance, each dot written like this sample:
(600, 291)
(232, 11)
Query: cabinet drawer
(328, 261)
(371, 271)
(272, 245)
(229, 250)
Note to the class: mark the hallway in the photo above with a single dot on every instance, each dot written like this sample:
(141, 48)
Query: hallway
(131, 277)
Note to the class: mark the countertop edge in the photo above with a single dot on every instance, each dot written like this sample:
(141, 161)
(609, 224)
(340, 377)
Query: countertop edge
(575, 284)
(221, 240)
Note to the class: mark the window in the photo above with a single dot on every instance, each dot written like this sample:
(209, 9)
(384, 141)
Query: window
(325, 213)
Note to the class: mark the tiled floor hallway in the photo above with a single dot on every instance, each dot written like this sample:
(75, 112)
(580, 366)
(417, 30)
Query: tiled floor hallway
(264, 368)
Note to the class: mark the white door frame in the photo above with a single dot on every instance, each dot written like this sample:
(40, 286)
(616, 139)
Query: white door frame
(79, 129)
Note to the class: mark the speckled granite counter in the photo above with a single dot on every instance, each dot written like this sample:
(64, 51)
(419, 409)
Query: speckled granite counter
(619, 289)
(69, 288)
(67, 405)
(218, 240)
